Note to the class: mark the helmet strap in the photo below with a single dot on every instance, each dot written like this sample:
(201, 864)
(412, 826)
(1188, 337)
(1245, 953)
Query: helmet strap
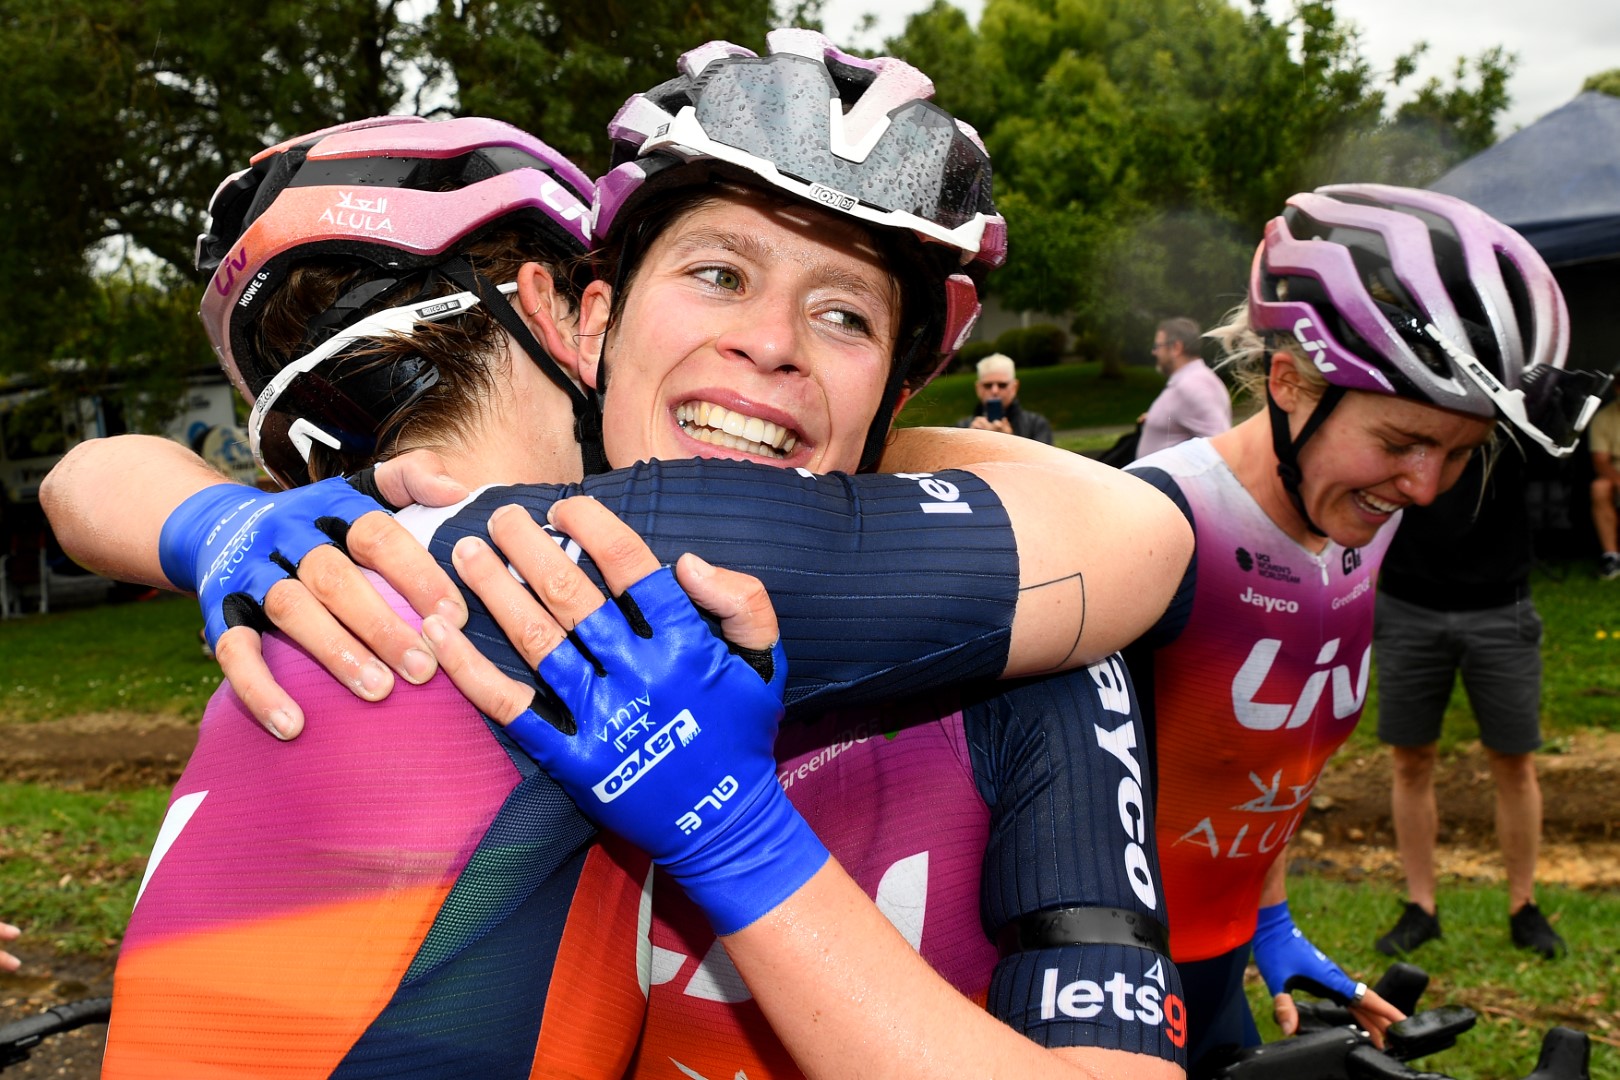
(1287, 450)
(878, 433)
(587, 413)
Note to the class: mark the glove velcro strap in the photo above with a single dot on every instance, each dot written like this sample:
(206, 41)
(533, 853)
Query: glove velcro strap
(192, 525)
(1058, 927)
(752, 870)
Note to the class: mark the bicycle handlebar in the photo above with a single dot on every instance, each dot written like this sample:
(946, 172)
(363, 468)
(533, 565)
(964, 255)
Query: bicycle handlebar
(1331, 1047)
(19, 1038)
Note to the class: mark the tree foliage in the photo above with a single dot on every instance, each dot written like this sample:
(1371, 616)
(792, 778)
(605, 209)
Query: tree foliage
(1140, 145)
(1604, 82)
(123, 115)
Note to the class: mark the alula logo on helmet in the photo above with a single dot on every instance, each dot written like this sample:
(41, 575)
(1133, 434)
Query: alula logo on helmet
(367, 215)
(1315, 348)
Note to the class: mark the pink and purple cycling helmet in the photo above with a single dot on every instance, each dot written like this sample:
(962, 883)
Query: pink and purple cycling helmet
(404, 195)
(1419, 295)
(854, 136)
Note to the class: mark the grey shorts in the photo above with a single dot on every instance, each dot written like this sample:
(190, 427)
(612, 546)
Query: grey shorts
(1419, 653)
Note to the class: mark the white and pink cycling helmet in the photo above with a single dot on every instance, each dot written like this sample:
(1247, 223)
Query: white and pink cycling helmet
(404, 195)
(854, 136)
(1418, 295)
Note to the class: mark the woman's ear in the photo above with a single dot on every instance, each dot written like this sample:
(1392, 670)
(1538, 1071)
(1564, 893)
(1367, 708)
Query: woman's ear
(550, 316)
(591, 333)
(1283, 379)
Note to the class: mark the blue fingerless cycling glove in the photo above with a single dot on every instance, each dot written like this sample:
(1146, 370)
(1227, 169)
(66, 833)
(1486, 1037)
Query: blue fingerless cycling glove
(673, 749)
(1287, 960)
(230, 543)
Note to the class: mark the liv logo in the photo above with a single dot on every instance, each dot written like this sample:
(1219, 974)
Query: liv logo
(1269, 716)
(225, 277)
(1315, 348)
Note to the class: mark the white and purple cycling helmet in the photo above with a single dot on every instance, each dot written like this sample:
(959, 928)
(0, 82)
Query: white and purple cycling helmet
(405, 195)
(1418, 295)
(854, 136)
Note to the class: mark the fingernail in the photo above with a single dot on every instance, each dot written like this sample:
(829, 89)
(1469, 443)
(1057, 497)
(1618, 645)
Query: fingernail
(284, 725)
(466, 548)
(503, 511)
(433, 629)
(699, 568)
(452, 611)
(374, 678)
(418, 666)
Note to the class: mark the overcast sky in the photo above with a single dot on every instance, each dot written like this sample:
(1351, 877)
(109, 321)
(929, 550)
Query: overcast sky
(1558, 42)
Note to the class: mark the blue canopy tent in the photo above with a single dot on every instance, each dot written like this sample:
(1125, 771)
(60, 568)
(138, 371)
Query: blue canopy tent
(1556, 181)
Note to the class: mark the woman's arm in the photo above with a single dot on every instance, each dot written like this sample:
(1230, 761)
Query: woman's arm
(1283, 953)
(1100, 553)
(849, 997)
(1096, 553)
(108, 501)
(842, 989)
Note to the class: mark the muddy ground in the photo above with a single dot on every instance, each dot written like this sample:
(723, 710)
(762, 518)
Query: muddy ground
(1346, 833)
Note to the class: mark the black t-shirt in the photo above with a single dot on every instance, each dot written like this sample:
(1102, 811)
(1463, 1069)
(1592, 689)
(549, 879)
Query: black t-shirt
(1470, 549)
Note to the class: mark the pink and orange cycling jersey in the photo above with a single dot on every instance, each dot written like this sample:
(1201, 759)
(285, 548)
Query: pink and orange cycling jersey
(1259, 683)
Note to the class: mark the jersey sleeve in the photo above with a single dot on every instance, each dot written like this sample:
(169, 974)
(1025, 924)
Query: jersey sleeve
(885, 585)
(1071, 863)
(1175, 616)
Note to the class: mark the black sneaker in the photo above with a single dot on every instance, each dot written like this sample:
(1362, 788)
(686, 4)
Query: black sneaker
(1609, 566)
(1532, 931)
(1414, 927)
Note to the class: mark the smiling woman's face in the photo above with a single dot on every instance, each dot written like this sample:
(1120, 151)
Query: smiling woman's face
(1375, 455)
(753, 329)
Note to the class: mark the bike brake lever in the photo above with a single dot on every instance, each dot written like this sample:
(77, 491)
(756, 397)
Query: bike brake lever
(1428, 1032)
(1566, 1054)
(1401, 984)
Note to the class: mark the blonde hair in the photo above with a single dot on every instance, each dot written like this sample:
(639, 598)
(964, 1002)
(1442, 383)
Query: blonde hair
(1249, 354)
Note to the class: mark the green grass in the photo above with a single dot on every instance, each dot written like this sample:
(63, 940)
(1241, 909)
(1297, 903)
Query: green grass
(1517, 995)
(1070, 395)
(142, 658)
(70, 862)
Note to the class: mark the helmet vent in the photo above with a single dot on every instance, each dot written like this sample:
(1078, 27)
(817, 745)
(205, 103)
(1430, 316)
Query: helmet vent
(1524, 311)
(851, 81)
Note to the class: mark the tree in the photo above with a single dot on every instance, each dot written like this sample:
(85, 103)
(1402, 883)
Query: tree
(1604, 82)
(1140, 145)
(562, 69)
(123, 115)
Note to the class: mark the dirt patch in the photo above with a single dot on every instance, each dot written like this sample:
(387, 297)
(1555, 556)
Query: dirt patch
(1349, 825)
(100, 752)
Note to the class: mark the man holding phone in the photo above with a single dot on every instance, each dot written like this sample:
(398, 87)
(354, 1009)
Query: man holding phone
(998, 409)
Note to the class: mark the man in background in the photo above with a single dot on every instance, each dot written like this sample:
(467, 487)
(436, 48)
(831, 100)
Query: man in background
(998, 409)
(1454, 596)
(1605, 445)
(1194, 402)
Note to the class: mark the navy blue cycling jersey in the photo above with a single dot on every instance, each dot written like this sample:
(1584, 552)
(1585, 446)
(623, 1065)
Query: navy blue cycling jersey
(974, 818)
